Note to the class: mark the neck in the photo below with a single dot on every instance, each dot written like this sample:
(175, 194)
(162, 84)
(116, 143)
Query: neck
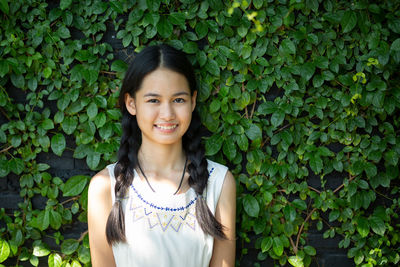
(161, 158)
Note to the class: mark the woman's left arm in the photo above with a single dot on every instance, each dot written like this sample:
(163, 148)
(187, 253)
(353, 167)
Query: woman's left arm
(224, 250)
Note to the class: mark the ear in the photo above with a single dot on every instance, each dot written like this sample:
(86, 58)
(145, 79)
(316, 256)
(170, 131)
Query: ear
(130, 104)
(194, 97)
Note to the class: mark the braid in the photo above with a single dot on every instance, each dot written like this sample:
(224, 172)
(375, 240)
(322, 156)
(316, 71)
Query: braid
(199, 177)
(123, 173)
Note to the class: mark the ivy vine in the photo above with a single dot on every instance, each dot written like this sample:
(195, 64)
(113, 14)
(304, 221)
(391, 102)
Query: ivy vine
(297, 95)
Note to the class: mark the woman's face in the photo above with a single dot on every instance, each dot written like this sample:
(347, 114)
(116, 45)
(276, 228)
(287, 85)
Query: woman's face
(163, 106)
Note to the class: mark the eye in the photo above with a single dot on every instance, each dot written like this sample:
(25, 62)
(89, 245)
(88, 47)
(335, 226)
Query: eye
(179, 100)
(153, 100)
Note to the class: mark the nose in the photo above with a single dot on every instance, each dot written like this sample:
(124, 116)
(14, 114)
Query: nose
(167, 112)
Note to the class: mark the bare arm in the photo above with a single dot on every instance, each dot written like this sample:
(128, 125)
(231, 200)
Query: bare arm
(99, 206)
(224, 250)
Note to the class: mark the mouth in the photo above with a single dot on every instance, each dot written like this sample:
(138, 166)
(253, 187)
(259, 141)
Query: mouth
(166, 127)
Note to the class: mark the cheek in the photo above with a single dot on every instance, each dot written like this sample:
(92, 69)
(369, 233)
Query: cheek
(186, 116)
(145, 117)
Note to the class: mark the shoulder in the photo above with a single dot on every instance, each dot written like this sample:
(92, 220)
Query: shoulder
(229, 182)
(100, 184)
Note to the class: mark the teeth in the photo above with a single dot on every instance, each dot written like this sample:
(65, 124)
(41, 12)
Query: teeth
(167, 127)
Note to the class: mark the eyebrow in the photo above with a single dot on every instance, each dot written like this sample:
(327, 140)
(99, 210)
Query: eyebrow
(157, 95)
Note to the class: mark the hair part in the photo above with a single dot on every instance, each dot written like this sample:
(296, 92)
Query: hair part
(147, 61)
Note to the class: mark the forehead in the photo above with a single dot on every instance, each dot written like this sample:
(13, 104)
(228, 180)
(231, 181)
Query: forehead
(164, 81)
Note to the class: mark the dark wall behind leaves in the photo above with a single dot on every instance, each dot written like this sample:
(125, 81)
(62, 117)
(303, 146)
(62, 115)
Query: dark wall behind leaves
(301, 99)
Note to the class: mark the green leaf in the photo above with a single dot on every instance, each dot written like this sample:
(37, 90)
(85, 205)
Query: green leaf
(119, 66)
(212, 67)
(92, 111)
(243, 142)
(322, 62)
(16, 165)
(93, 160)
(296, 261)
(99, 7)
(251, 206)
(254, 132)
(81, 151)
(18, 80)
(201, 29)
(64, 4)
(126, 41)
(391, 157)
(55, 219)
(316, 163)
(43, 167)
(377, 225)
(153, 5)
(288, 47)
(277, 246)
(312, 4)
(229, 149)
(63, 32)
(100, 120)
(348, 21)
(58, 144)
(300, 204)
(63, 102)
(3, 137)
(164, 27)
(213, 144)
(277, 118)
(309, 250)
(307, 70)
(4, 250)
(290, 213)
(370, 169)
(40, 249)
(266, 244)
(75, 185)
(32, 84)
(190, 47)
(4, 7)
(4, 68)
(43, 220)
(69, 246)
(117, 6)
(362, 226)
(54, 260)
(242, 31)
(333, 215)
(267, 108)
(395, 45)
(47, 124)
(84, 254)
(177, 18)
(69, 124)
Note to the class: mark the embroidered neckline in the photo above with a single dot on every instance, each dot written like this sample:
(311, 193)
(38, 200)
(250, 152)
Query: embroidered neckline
(152, 205)
(191, 202)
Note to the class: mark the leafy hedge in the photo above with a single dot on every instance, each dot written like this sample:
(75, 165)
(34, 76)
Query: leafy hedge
(296, 94)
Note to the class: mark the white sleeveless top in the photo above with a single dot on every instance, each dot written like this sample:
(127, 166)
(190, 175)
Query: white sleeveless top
(163, 230)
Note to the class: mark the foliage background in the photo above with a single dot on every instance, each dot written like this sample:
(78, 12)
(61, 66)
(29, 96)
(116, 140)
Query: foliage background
(301, 99)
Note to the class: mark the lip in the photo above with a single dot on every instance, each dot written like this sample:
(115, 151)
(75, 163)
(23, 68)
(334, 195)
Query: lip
(166, 127)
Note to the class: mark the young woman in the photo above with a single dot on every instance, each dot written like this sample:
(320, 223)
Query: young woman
(163, 203)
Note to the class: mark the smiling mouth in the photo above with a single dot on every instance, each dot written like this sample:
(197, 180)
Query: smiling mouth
(167, 127)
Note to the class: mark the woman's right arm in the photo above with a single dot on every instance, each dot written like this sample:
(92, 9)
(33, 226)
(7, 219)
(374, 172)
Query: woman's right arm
(99, 207)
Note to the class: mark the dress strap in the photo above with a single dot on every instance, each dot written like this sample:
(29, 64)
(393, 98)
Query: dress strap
(216, 180)
(110, 168)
